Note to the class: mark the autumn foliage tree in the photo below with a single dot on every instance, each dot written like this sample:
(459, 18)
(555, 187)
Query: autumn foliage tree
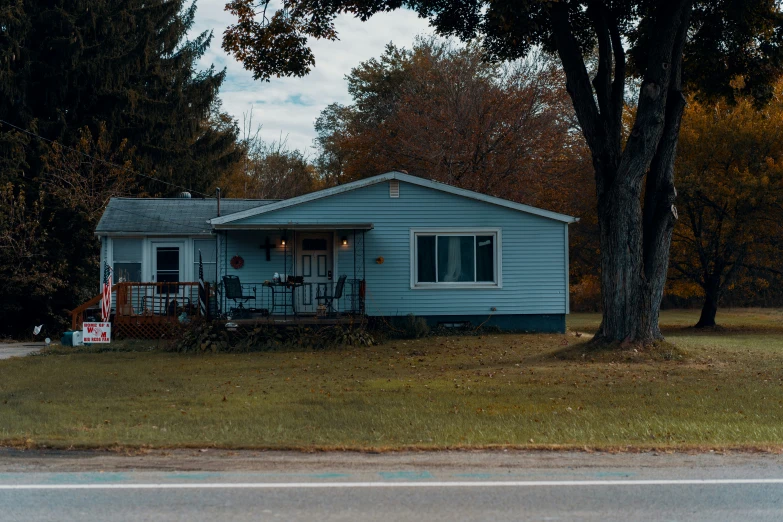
(268, 170)
(442, 112)
(730, 170)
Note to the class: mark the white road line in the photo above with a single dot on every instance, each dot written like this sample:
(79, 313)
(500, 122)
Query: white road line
(423, 484)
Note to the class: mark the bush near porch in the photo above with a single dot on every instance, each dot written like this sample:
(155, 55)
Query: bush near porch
(436, 392)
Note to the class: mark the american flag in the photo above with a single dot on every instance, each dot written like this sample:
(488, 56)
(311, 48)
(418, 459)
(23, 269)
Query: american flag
(202, 289)
(106, 294)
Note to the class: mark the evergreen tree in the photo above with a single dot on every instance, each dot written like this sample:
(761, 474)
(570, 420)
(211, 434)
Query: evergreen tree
(128, 64)
(124, 72)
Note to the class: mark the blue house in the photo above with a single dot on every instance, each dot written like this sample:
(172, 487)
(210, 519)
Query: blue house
(386, 246)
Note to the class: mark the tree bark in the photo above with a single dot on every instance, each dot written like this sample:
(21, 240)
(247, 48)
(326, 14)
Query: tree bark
(634, 241)
(710, 308)
(627, 313)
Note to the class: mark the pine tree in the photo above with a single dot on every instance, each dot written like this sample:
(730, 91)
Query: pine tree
(123, 71)
(127, 64)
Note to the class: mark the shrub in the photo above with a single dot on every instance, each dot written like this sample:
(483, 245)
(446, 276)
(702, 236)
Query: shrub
(410, 327)
(215, 337)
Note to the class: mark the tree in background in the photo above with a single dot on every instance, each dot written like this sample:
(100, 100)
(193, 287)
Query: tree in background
(440, 111)
(730, 169)
(83, 178)
(29, 273)
(127, 65)
(268, 170)
(666, 44)
(126, 72)
(271, 171)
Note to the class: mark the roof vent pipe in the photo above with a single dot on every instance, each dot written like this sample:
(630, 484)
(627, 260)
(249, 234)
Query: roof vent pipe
(184, 195)
(218, 200)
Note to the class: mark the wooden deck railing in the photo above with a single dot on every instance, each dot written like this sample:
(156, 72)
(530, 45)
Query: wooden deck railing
(77, 314)
(142, 304)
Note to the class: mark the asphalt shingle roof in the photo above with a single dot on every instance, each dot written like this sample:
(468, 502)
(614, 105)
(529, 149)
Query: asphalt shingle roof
(179, 216)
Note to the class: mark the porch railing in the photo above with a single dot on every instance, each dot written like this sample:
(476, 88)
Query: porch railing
(137, 304)
(260, 298)
(77, 314)
(152, 309)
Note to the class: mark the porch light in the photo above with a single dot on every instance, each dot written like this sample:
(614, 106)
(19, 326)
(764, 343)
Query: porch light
(282, 241)
(345, 240)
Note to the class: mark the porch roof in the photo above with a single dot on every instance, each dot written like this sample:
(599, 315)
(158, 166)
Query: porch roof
(296, 226)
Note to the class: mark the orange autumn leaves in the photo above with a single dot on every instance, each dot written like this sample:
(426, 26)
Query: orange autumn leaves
(730, 184)
(440, 111)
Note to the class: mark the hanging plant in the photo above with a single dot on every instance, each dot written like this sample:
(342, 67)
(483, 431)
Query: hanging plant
(237, 262)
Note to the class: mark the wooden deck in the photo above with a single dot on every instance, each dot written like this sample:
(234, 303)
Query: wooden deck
(158, 310)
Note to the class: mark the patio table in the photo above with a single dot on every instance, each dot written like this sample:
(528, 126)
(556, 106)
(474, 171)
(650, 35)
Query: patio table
(288, 301)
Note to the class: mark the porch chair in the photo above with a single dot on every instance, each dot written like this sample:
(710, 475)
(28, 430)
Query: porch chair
(233, 289)
(330, 299)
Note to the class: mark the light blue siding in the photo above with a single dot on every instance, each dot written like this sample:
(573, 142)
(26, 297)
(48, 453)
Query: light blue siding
(534, 250)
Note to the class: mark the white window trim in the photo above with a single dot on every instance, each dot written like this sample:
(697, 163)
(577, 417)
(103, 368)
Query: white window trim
(497, 232)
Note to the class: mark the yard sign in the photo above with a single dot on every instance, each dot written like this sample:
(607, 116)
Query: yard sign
(96, 332)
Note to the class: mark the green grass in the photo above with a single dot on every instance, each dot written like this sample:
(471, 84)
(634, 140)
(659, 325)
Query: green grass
(736, 318)
(435, 392)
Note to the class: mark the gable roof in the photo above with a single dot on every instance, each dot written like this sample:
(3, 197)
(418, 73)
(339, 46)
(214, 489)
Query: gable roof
(414, 180)
(167, 216)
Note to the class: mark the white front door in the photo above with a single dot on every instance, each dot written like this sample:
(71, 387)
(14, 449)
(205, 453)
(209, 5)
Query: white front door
(314, 264)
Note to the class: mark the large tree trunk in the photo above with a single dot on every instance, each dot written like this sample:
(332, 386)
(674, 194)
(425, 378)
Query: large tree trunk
(710, 308)
(627, 312)
(634, 243)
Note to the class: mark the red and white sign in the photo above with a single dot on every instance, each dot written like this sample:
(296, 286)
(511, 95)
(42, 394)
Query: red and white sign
(96, 332)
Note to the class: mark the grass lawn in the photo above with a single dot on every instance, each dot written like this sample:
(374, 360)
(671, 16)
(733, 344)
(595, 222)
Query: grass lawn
(435, 392)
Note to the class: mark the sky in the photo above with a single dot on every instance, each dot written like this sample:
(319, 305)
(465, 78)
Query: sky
(286, 108)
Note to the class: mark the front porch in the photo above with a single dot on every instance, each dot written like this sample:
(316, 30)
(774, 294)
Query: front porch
(273, 273)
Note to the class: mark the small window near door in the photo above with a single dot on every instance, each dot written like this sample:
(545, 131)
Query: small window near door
(209, 258)
(127, 260)
(167, 270)
(316, 243)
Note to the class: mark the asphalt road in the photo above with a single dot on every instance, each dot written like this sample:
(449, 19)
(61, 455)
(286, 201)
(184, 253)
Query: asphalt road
(444, 486)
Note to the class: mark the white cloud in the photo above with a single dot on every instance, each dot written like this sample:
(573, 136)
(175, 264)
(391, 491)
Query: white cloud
(288, 107)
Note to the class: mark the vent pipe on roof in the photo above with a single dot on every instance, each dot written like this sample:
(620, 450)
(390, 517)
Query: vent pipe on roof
(218, 200)
(184, 195)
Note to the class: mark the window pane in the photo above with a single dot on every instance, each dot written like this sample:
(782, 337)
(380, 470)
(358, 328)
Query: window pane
(207, 248)
(167, 269)
(168, 259)
(127, 250)
(485, 262)
(314, 244)
(210, 273)
(426, 258)
(127, 272)
(455, 259)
